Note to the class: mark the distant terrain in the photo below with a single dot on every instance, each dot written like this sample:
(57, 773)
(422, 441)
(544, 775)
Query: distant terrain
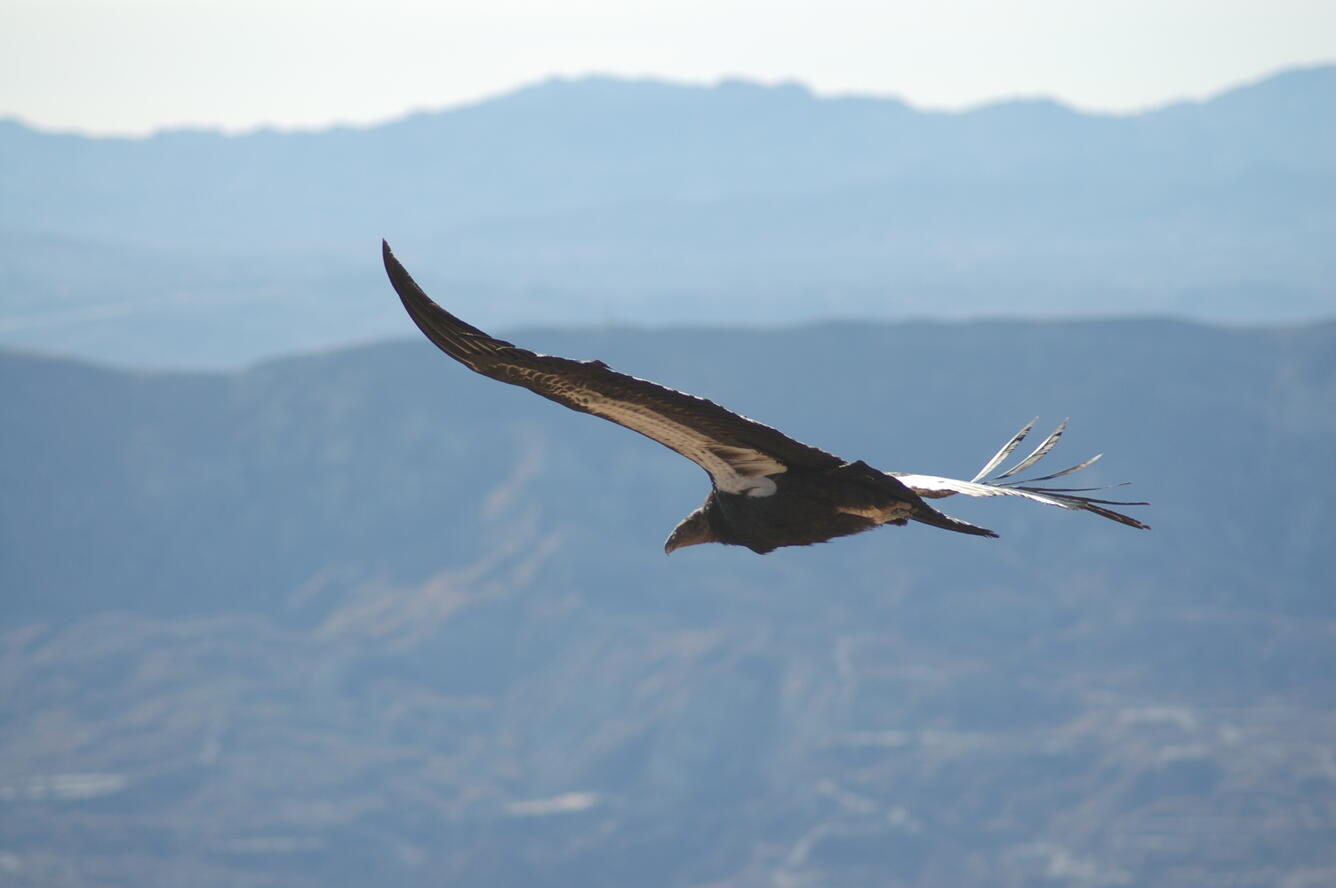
(366, 618)
(600, 201)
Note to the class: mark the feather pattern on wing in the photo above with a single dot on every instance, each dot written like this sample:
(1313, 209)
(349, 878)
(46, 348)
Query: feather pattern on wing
(737, 452)
(1038, 453)
(1006, 450)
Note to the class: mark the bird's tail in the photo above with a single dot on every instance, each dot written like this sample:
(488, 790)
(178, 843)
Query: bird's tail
(926, 514)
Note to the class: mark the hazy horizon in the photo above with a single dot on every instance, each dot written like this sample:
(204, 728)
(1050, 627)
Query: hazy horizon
(722, 80)
(143, 67)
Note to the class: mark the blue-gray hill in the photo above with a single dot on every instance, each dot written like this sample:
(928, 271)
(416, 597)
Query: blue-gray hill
(599, 199)
(367, 618)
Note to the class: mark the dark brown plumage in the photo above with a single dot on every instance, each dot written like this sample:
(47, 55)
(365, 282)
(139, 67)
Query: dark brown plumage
(768, 490)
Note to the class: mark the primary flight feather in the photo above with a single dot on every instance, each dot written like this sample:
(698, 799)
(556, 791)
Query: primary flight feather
(768, 490)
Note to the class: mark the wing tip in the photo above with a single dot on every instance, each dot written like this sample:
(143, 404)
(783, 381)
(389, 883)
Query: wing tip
(392, 265)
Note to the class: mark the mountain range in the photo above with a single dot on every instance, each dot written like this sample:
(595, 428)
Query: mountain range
(365, 617)
(598, 200)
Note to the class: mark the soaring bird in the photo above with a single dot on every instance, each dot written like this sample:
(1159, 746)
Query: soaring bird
(767, 490)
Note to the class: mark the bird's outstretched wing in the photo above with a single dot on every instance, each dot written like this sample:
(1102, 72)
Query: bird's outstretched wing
(737, 452)
(982, 484)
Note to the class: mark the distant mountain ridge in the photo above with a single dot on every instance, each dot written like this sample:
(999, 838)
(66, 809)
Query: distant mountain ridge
(579, 201)
(364, 458)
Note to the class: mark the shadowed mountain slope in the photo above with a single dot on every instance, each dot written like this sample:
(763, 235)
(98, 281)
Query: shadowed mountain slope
(367, 617)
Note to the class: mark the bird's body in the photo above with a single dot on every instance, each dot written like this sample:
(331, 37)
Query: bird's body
(807, 506)
(768, 490)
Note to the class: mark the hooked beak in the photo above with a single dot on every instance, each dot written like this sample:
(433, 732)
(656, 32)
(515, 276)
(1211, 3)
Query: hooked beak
(694, 530)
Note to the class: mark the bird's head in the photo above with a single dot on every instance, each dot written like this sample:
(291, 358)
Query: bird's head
(693, 530)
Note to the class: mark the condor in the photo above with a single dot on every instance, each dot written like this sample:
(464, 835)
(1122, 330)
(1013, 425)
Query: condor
(768, 490)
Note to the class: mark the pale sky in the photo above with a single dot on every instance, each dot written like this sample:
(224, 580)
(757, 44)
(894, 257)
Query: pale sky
(133, 66)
